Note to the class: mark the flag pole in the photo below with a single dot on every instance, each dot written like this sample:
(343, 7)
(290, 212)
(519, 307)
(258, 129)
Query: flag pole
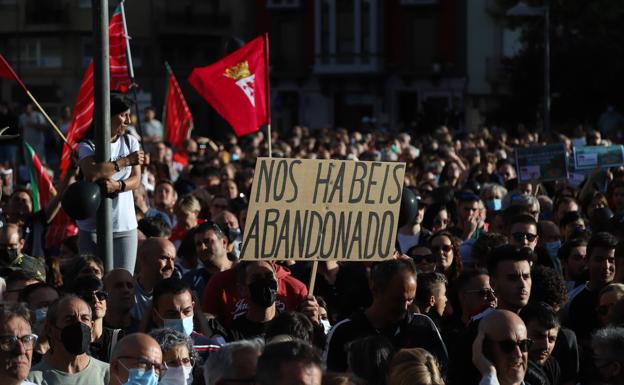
(131, 72)
(32, 98)
(268, 90)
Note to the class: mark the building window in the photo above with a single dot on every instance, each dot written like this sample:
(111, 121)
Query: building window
(283, 4)
(347, 35)
(41, 53)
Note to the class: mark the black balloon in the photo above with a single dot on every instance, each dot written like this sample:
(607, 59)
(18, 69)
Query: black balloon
(82, 199)
(409, 207)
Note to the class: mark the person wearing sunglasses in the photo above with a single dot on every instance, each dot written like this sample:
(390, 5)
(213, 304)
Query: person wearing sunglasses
(523, 231)
(445, 247)
(137, 360)
(475, 294)
(16, 344)
(103, 339)
(543, 328)
(501, 349)
(423, 258)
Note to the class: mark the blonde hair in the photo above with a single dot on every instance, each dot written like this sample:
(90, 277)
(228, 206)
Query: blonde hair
(188, 204)
(414, 367)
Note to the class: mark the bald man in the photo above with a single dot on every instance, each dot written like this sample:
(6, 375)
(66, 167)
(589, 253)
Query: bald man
(119, 285)
(500, 350)
(155, 261)
(132, 354)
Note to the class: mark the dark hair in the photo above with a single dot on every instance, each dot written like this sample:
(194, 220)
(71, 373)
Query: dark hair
(484, 245)
(291, 323)
(154, 227)
(383, 272)
(565, 249)
(433, 210)
(11, 310)
(210, 226)
(524, 219)
(24, 294)
(547, 286)
(512, 212)
(119, 103)
(369, 358)
(457, 265)
(463, 281)
(569, 217)
(270, 362)
(508, 253)
(169, 286)
(601, 240)
(427, 284)
(541, 312)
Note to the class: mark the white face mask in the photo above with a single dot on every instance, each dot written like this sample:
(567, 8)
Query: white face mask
(177, 375)
(326, 325)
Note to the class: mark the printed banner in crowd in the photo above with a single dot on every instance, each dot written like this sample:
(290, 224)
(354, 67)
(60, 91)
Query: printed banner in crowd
(590, 157)
(308, 209)
(541, 163)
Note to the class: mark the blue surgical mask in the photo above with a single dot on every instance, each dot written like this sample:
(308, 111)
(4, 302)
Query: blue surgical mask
(184, 325)
(40, 313)
(140, 376)
(234, 157)
(494, 204)
(552, 248)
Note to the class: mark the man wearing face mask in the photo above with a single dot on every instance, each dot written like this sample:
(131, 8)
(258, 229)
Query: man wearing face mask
(11, 253)
(68, 328)
(258, 286)
(136, 360)
(173, 307)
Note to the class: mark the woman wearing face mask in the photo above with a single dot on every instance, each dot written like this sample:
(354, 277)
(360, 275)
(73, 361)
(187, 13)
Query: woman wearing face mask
(178, 355)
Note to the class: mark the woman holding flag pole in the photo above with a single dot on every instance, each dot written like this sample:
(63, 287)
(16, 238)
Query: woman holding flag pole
(117, 178)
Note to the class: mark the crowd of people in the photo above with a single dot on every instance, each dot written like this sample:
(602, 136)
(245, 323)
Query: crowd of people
(493, 281)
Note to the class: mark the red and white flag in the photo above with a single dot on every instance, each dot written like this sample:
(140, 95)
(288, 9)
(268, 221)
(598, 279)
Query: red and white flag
(237, 86)
(119, 80)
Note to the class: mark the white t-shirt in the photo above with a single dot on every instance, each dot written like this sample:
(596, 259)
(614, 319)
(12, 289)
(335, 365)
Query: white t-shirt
(124, 218)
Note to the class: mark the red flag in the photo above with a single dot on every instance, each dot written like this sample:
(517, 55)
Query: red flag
(119, 79)
(237, 86)
(6, 71)
(178, 118)
(40, 184)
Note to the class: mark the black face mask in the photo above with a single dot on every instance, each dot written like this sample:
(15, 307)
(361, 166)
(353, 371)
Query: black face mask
(263, 292)
(76, 338)
(8, 255)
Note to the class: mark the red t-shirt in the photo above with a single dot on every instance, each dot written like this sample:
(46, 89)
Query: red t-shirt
(179, 232)
(222, 299)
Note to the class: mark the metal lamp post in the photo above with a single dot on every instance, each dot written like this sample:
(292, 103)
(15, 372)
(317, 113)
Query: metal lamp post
(523, 9)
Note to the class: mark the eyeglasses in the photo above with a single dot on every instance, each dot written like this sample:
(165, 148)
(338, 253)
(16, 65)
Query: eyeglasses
(444, 248)
(520, 236)
(9, 343)
(428, 258)
(508, 346)
(146, 365)
(88, 295)
(485, 293)
(186, 361)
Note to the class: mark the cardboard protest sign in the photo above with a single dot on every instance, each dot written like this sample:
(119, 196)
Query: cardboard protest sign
(307, 209)
(541, 163)
(590, 157)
